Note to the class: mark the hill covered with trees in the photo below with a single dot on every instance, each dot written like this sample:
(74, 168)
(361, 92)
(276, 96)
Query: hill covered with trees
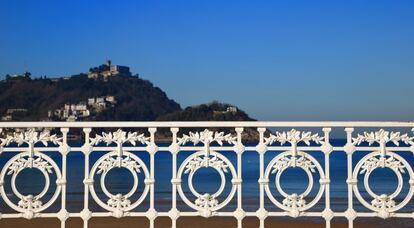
(87, 99)
(136, 98)
(214, 111)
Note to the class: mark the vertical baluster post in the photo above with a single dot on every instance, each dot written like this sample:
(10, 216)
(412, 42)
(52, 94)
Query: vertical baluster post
(350, 213)
(239, 149)
(326, 148)
(261, 149)
(152, 150)
(174, 148)
(86, 214)
(64, 149)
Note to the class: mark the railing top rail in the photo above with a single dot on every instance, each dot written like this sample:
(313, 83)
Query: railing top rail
(138, 124)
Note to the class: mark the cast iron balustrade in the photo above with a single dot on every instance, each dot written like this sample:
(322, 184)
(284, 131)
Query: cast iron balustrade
(30, 143)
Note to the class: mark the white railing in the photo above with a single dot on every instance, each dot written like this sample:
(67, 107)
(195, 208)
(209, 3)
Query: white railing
(31, 143)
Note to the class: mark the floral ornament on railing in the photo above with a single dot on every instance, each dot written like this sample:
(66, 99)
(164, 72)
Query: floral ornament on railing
(293, 137)
(207, 137)
(383, 137)
(291, 161)
(294, 201)
(383, 202)
(111, 162)
(206, 201)
(31, 137)
(206, 161)
(22, 163)
(119, 202)
(373, 163)
(119, 137)
(30, 203)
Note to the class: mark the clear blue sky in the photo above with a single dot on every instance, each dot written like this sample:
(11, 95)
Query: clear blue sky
(286, 60)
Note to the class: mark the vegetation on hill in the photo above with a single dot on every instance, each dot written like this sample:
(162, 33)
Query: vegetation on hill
(213, 111)
(137, 99)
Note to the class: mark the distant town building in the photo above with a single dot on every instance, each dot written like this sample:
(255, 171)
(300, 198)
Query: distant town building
(13, 110)
(91, 101)
(7, 118)
(231, 109)
(110, 99)
(72, 118)
(11, 113)
(82, 110)
(108, 69)
(100, 100)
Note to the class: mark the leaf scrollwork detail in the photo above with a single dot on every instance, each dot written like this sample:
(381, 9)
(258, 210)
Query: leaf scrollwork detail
(125, 161)
(31, 136)
(383, 137)
(288, 160)
(35, 162)
(206, 161)
(293, 137)
(206, 137)
(120, 137)
(383, 161)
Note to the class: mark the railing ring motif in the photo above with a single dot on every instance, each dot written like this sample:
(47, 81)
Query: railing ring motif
(294, 203)
(206, 203)
(383, 204)
(29, 205)
(119, 204)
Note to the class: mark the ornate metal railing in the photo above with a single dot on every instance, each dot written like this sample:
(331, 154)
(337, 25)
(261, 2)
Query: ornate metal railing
(122, 144)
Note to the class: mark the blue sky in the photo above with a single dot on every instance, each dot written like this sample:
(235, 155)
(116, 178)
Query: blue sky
(280, 60)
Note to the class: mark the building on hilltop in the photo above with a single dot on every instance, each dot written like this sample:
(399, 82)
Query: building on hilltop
(17, 77)
(108, 69)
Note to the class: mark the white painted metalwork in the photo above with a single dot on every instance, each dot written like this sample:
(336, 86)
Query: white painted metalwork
(290, 144)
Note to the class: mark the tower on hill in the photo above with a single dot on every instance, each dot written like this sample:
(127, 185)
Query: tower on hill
(109, 70)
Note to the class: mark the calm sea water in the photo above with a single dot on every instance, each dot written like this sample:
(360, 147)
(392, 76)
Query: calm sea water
(207, 180)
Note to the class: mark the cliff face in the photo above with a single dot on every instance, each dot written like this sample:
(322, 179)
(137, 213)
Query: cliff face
(136, 99)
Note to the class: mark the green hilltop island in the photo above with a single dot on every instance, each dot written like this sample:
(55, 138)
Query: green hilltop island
(105, 93)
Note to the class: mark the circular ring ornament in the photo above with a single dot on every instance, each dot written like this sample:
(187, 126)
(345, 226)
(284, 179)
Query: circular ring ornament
(29, 205)
(294, 203)
(206, 203)
(119, 204)
(383, 204)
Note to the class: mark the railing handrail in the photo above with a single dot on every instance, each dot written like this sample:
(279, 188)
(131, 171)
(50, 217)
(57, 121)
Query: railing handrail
(141, 124)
